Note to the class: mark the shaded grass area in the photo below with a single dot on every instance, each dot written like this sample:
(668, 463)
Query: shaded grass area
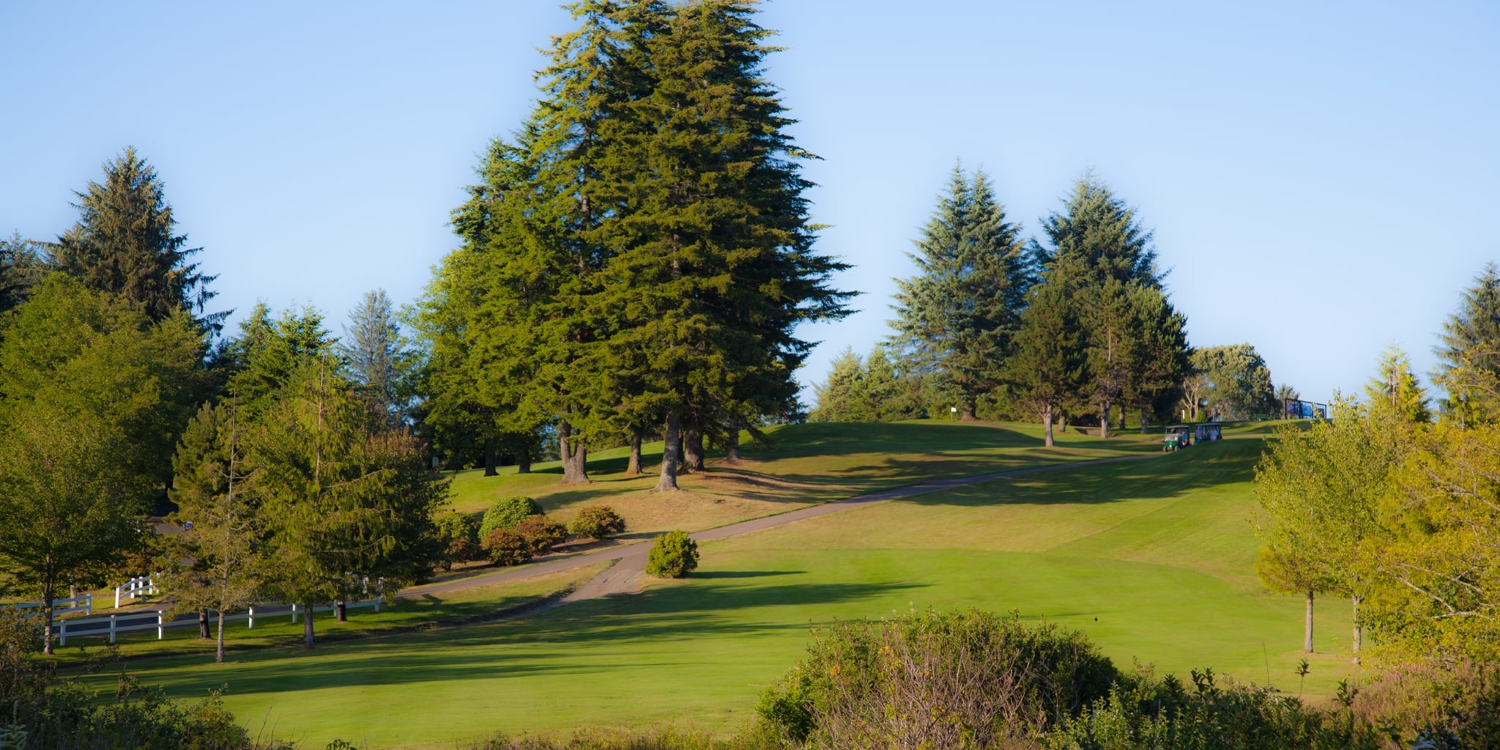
(1152, 559)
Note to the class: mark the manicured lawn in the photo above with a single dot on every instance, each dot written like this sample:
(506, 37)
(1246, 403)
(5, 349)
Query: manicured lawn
(1151, 558)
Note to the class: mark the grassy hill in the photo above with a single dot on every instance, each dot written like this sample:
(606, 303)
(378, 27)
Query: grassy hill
(1151, 558)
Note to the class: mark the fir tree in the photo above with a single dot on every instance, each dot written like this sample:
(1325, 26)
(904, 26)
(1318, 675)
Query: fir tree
(1049, 364)
(1102, 233)
(1161, 358)
(1469, 355)
(262, 358)
(959, 314)
(124, 244)
(22, 265)
(378, 356)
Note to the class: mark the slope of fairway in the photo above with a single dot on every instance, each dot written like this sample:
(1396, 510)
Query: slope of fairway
(1152, 558)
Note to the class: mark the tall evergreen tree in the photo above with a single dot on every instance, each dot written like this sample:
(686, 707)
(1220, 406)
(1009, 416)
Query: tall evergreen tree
(22, 265)
(1049, 364)
(379, 359)
(961, 312)
(1101, 232)
(1469, 355)
(262, 358)
(1161, 358)
(124, 244)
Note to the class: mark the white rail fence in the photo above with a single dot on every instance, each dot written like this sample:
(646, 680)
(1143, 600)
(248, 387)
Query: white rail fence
(135, 622)
(135, 587)
(83, 603)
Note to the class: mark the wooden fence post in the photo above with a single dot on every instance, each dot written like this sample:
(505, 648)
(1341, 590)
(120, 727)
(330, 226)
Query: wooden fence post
(62, 633)
(111, 628)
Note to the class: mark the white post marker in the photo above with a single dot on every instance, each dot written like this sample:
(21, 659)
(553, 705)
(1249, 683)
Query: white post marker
(294, 614)
(161, 624)
(111, 628)
(251, 619)
(62, 633)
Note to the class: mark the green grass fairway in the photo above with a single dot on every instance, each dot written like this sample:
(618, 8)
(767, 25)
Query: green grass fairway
(1150, 558)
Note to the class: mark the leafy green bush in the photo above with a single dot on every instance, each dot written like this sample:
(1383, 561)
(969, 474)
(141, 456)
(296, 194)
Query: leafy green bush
(506, 513)
(1447, 706)
(982, 681)
(672, 555)
(596, 522)
(458, 537)
(542, 533)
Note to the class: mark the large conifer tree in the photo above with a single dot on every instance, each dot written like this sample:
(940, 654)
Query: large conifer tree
(125, 244)
(958, 316)
(1469, 355)
(1048, 366)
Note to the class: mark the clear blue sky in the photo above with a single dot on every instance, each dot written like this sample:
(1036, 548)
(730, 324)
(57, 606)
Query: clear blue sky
(1323, 178)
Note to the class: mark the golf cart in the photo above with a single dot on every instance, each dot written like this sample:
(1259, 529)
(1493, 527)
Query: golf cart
(1177, 436)
(1208, 432)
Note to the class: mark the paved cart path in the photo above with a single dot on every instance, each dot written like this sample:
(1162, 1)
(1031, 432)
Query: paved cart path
(626, 575)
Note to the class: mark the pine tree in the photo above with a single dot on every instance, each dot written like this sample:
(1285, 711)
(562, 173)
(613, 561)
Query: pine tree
(124, 244)
(1102, 233)
(959, 314)
(1161, 358)
(265, 354)
(217, 562)
(378, 356)
(22, 265)
(1049, 364)
(1469, 355)
(713, 264)
(1395, 388)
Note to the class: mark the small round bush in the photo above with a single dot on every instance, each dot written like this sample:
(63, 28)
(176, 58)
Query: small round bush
(506, 513)
(597, 522)
(672, 555)
(459, 538)
(542, 533)
(507, 547)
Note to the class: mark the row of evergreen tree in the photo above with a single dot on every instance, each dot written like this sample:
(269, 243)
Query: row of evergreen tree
(287, 450)
(1078, 322)
(636, 258)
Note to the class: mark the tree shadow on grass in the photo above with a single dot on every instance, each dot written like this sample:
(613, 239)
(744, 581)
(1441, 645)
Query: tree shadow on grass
(546, 644)
(1169, 476)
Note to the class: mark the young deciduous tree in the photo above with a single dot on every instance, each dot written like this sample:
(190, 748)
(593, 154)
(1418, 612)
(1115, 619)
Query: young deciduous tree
(217, 562)
(1239, 383)
(344, 496)
(960, 314)
(123, 244)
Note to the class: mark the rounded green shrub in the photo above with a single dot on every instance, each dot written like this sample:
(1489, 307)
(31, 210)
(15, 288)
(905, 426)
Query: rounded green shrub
(597, 522)
(672, 555)
(506, 513)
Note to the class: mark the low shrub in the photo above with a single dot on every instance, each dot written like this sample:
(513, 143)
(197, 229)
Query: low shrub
(458, 537)
(542, 533)
(596, 522)
(975, 679)
(659, 738)
(508, 547)
(1448, 706)
(506, 512)
(672, 555)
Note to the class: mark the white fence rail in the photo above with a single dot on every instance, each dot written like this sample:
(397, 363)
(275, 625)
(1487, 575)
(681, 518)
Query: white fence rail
(135, 587)
(135, 622)
(59, 606)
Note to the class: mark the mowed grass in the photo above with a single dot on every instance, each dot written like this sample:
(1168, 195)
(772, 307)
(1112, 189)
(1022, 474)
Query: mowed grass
(1153, 559)
(804, 465)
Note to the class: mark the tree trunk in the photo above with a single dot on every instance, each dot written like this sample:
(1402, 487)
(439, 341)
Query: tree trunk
(574, 458)
(219, 652)
(692, 450)
(341, 611)
(966, 412)
(633, 469)
(203, 625)
(307, 627)
(669, 456)
(1062, 423)
(489, 461)
(1123, 426)
(1047, 422)
(1104, 421)
(1307, 638)
(732, 450)
(1143, 420)
(47, 597)
(1359, 629)
(523, 460)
